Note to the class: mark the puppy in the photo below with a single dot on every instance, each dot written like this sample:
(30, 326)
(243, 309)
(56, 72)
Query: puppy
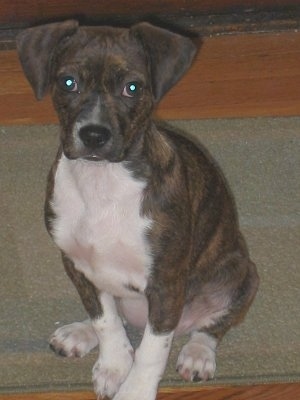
(145, 222)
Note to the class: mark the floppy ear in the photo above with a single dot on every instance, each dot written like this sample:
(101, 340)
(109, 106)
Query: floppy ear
(169, 54)
(36, 46)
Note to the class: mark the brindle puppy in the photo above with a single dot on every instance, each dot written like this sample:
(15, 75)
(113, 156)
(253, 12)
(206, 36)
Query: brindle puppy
(144, 219)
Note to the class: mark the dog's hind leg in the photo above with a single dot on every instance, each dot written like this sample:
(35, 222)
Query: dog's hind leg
(219, 308)
(74, 340)
(196, 360)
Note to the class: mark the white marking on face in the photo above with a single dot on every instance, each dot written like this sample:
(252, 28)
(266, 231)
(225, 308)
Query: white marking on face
(92, 118)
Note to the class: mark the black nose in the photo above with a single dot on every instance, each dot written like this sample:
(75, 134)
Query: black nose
(94, 136)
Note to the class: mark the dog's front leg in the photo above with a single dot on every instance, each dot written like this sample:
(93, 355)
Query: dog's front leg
(165, 306)
(149, 364)
(116, 353)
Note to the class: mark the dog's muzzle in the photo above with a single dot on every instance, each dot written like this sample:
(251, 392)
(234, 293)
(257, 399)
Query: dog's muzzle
(94, 136)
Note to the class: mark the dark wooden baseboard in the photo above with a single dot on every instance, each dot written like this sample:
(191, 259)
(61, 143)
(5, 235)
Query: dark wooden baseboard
(242, 75)
(279, 391)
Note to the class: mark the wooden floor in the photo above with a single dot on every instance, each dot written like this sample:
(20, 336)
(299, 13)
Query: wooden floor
(242, 75)
(286, 391)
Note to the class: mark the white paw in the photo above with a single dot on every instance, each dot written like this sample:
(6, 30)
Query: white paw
(137, 386)
(138, 393)
(74, 340)
(148, 368)
(196, 362)
(142, 392)
(110, 371)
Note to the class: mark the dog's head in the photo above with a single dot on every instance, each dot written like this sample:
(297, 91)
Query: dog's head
(104, 81)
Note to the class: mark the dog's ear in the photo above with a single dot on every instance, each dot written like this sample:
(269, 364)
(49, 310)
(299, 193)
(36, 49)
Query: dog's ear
(169, 54)
(36, 46)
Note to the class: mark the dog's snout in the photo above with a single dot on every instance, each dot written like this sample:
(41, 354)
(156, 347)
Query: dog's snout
(94, 136)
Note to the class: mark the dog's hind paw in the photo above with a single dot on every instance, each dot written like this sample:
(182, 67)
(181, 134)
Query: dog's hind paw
(196, 361)
(74, 340)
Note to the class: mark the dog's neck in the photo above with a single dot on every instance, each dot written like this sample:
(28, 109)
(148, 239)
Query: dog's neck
(151, 149)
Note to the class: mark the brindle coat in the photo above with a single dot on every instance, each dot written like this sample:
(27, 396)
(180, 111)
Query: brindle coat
(198, 251)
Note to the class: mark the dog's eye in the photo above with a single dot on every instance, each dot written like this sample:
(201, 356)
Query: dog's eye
(131, 89)
(69, 84)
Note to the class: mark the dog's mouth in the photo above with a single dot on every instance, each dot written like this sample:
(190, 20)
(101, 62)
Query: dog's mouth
(92, 157)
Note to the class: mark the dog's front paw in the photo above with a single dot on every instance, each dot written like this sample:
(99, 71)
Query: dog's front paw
(141, 391)
(111, 371)
(74, 340)
(196, 362)
(138, 385)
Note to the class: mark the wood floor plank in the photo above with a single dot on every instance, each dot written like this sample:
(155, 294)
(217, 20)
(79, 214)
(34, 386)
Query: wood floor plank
(233, 76)
(240, 76)
(33, 11)
(279, 391)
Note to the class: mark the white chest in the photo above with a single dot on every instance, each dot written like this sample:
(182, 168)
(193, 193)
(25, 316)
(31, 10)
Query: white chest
(99, 226)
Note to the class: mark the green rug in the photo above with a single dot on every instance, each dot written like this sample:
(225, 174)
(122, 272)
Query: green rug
(261, 160)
